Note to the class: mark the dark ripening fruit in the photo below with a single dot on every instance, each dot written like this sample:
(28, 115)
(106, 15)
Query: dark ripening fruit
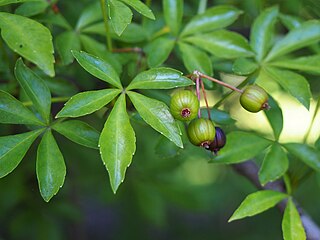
(201, 132)
(219, 140)
(184, 105)
(254, 99)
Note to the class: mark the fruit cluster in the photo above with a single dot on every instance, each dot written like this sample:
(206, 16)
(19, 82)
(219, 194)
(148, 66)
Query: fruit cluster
(185, 106)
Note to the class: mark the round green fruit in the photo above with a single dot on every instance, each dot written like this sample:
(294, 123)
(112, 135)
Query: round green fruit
(254, 99)
(201, 132)
(184, 105)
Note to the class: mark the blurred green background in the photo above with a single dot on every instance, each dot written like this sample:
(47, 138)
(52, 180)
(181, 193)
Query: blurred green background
(166, 194)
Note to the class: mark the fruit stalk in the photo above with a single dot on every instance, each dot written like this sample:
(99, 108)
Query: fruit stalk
(201, 75)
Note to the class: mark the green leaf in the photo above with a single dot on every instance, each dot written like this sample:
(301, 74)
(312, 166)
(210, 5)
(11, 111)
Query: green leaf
(6, 2)
(158, 51)
(262, 32)
(140, 7)
(256, 203)
(65, 42)
(78, 132)
(222, 43)
(291, 223)
(35, 88)
(307, 154)
(212, 19)
(290, 22)
(240, 147)
(132, 34)
(218, 116)
(159, 78)
(317, 144)
(158, 116)
(30, 9)
(293, 83)
(195, 59)
(87, 102)
(13, 111)
(50, 167)
(173, 13)
(275, 117)
(244, 66)
(274, 165)
(120, 16)
(98, 68)
(90, 15)
(117, 143)
(308, 64)
(13, 148)
(29, 39)
(98, 49)
(308, 33)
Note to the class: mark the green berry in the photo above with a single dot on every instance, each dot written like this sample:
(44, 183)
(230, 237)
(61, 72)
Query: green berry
(254, 99)
(184, 105)
(201, 132)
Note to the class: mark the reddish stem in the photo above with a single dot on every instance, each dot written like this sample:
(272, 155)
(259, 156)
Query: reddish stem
(198, 93)
(205, 98)
(197, 73)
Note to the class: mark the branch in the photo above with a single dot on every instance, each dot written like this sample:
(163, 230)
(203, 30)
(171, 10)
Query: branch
(250, 171)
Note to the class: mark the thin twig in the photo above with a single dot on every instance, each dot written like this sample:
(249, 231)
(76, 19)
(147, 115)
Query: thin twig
(198, 93)
(217, 81)
(205, 98)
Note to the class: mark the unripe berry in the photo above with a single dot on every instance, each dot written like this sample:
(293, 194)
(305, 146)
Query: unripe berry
(201, 132)
(219, 140)
(184, 105)
(254, 99)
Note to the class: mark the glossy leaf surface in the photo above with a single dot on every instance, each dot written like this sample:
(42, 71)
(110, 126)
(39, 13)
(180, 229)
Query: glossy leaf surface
(157, 115)
(117, 143)
(29, 39)
(50, 167)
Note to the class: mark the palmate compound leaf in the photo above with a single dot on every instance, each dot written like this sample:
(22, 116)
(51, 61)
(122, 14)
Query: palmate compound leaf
(13, 148)
(256, 203)
(157, 115)
(50, 166)
(159, 78)
(291, 223)
(29, 39)
(14, 112)
(35, 88)
(87, 102)
(117, 143)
